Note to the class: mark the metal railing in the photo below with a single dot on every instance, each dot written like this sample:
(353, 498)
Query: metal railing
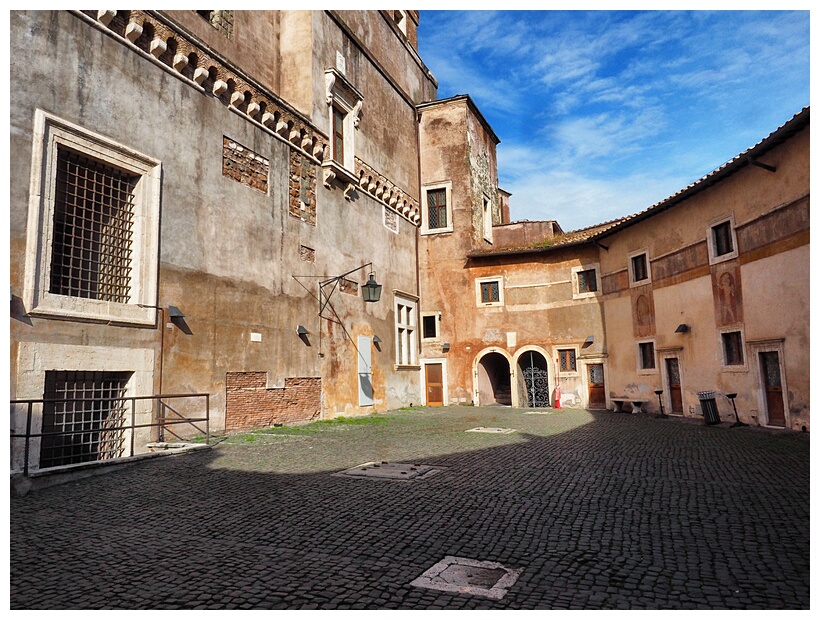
(164, 416)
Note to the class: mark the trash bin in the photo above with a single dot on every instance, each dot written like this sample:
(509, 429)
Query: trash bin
(708, 405)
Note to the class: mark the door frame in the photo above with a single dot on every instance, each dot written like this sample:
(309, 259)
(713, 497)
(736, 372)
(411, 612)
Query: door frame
(423, 379)
(663, 355)
(587, 361)
(765, 346)
(514, 374)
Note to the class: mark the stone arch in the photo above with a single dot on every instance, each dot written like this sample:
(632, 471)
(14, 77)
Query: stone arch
(533, 375)
(492, 371)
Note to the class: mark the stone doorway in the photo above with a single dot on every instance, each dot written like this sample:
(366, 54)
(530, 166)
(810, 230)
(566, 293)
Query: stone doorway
(533, 380)
(494, 386)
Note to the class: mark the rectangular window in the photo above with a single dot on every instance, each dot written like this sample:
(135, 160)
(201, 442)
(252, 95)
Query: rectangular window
(566, 358)
(405, 331)
(437, 208)
(88, 411)
(732, 348)
(587, 281)
(639, 268)
(489, 292)
(429, 327)
(93, 222)
(722, 237)
(647, 355)
(339, 135)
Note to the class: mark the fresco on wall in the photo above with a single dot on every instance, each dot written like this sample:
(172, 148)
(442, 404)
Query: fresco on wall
(727, 295)
(643, 314)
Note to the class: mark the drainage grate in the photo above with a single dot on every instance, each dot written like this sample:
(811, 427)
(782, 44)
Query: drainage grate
(466, 576)
(390, 471)
(488, 429)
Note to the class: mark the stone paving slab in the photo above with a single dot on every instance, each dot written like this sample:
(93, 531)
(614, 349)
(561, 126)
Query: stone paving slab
(599, 510)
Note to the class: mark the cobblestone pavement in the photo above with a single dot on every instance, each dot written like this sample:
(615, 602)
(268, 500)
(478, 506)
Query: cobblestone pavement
(601, 510)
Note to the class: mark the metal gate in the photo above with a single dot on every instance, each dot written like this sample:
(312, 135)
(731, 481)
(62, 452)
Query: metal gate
(536, 382)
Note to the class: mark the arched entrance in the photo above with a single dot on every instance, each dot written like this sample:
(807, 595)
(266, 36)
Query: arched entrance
(533, 380)
(494, 380)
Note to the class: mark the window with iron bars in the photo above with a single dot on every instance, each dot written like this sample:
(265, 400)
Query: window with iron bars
(86, 412)
(437, 208)
(93, 229)
(566, 359)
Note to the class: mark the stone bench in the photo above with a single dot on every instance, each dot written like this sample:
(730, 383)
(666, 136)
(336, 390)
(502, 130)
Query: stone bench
(637, 403)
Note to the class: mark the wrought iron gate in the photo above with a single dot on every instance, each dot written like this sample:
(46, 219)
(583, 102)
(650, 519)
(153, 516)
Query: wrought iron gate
(537, 385)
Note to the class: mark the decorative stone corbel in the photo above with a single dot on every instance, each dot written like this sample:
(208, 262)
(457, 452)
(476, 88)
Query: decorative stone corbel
(180, 62)
(349, 189)
(281, 128)
(357, 113)
(200, 75)
(133, 31)
(294, 136)
(319, 150)
(237, 99)
(105, 17)
(330, 81)
(307, 142)
(157, 47)
(328, 176)
(219, 87)
(253, 109)
(268, 119)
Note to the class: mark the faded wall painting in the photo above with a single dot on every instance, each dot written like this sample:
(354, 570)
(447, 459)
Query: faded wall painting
(727, 295)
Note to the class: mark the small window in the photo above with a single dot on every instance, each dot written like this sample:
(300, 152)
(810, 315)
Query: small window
(640, 270)
(437, 214)
(732, 348)
(437, 208)
(722, 236)
(339, 135)
(587, 281)
(647, 355)
(429, 327)
(566, 360)
(489, 292)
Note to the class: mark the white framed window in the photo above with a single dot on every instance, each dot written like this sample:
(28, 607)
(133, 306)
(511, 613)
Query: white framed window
(721, 240)
(639, 270)
(405, 308)
(646, 357)
(437, 214)
(429, 325)
(732, 349)
(489, 291)
(586, 281)
(93, 227)
(344, 104)
(567, 360)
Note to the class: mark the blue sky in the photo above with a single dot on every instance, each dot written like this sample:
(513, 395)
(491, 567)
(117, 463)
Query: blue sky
(602, 114)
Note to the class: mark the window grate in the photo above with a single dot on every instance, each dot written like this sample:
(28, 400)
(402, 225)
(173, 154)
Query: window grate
(93, 229)
(437, 208)
(87, 410)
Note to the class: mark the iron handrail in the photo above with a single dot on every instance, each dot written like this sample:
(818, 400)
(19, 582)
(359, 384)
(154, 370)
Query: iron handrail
(161, 420)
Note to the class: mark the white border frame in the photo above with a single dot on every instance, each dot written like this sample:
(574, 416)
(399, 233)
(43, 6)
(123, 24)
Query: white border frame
(755, 349)
(447, 186)
(648, 280)
(724, 367)
(576, 294)
(710, 239)
(489, 304)
(639, 358)
(49, 132)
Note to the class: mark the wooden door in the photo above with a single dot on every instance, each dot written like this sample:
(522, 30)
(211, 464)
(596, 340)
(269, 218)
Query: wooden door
(597, 392)
(435, 386)
(673, 384)
(773, 387)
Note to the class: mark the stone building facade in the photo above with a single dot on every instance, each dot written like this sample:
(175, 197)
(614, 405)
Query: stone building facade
(198, 199)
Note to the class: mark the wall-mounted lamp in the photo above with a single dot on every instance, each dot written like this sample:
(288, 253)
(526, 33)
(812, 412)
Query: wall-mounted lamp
(588, 342)
(302, 330)
(376, 340)
(371, 291)
(175, 313)
(682, 328)
(445, 346)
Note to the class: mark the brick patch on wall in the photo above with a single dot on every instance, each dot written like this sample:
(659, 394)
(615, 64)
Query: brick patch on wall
(243, 165)
(250, 404)
(302, 188)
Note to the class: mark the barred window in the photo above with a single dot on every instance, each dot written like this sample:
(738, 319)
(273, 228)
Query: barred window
(587, 281)
(639, 268)
(647, 355)
(566, 359)
(84, 416)
(437, 208)
(489, 292)
(93, 229)
(722, 236)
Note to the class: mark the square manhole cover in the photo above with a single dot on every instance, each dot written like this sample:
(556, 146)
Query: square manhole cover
(466, 576)
(390, 471)
(489, 429)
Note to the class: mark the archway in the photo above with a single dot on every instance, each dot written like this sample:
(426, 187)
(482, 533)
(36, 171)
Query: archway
(533, 380)
(494, 380)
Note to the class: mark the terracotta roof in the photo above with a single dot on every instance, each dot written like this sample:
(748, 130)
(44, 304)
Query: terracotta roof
(598, 231)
